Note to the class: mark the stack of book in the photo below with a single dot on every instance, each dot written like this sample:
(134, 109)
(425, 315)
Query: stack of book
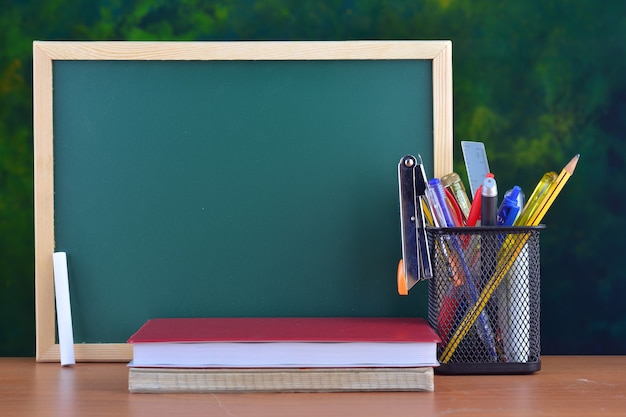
(283, 354)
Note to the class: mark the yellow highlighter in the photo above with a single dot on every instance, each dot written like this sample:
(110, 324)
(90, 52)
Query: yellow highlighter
(533, 202)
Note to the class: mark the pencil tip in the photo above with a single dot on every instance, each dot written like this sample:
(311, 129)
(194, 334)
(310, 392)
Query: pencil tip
(571, 165)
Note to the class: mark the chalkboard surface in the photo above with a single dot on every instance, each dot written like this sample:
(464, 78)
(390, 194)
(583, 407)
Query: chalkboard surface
(230, 188)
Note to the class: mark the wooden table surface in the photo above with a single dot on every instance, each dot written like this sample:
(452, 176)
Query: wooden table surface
(566, 386)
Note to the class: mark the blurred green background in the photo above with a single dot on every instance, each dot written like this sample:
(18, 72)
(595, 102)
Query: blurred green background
(536, 81)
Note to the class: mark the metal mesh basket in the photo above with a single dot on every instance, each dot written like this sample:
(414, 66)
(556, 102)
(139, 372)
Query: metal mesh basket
(484, 300)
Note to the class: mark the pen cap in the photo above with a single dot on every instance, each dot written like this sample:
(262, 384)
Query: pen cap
(490, 188)
(517, 194)
(451, 178)
(510, 207)
(510, 197)
(489, 203)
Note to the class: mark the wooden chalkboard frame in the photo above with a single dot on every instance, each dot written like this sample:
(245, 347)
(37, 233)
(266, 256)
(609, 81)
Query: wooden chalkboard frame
(45, 53)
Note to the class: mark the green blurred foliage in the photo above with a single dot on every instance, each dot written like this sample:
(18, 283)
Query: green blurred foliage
(537, 81)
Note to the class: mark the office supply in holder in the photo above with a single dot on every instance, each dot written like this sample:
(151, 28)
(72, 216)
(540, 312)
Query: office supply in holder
(476, 163)
(514, 292)
(453, 182)
(436, 196)
(455, 209)
(489, 202)
(533, 201)
(515, 308)
(521, 198)
(546, 201)
(513, 296)
(510, 207)
(476, 207)
(63, 308)
(415, 264)
(506, 258)
(488, 217)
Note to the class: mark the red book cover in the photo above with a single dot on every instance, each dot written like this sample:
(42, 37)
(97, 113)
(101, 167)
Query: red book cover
(309, 329)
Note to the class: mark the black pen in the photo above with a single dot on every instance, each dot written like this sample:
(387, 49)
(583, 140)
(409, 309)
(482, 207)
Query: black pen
(489, 203)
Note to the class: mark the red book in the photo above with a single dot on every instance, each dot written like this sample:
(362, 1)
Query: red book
(285, 342)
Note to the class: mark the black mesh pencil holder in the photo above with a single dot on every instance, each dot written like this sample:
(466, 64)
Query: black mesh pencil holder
(483, 299)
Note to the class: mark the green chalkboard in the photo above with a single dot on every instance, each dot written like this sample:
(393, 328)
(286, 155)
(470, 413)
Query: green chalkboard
(247, 187)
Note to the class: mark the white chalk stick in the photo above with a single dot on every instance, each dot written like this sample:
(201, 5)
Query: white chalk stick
(64, 310)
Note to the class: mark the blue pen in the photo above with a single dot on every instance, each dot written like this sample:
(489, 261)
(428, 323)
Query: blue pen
(439, 194)
(509, 208)
(435, 190)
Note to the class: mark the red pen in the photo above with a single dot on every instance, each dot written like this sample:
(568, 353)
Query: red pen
(457, 214)
(474, 213)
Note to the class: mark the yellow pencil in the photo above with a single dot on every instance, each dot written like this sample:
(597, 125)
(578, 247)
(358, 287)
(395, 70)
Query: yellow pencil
(553, 192)
(506, 258)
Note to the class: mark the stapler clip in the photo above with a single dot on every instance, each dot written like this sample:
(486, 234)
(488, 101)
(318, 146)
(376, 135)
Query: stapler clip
(415, 264)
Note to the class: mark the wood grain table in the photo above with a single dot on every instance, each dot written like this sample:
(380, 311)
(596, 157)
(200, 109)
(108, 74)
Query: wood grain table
(566, 386)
